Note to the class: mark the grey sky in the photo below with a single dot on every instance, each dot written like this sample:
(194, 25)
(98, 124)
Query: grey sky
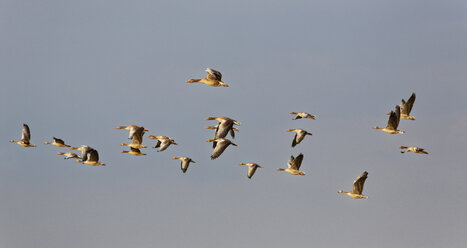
(77, 69)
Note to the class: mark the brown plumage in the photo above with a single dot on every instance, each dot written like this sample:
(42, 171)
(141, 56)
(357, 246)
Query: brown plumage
(25, 137)
(222, 144)
(214, 78)
(357, 189)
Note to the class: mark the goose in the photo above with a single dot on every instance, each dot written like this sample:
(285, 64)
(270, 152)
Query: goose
(251, 168)
(134, 151)
(68, 155)
(413, 149)
(92, 158)
(131, 128)
(406, 107)
(214, 78)
(25, 137)
(299, 135)
(221, 145)
(84, 151)
(137, 139)
(294, 165)
(357, 189)
(163, 142)
(393, 122)
(224, 127)
(302, 115)
(185, 162)
(57, 142)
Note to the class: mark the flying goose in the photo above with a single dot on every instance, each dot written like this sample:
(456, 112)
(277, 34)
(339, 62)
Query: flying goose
(224, 127)
(185, 162)
(92, 158)
(302, 115)
(163, 142)
(357, 189)
(68, 155)
(393, 122)
(214, 78)
(299, 135)
(294, 165)
(25, 137)
(84, 151)
(221, 145)
(406, 107)
(131, 128)
(251, 168)
(134, 151)
(413, 149)
(137, 139)
(57, 142)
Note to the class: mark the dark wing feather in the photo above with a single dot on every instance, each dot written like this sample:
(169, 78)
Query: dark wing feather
(358, 183)
(223, 128)
(298, 161)
(93, 155)
(299, 137)
(135, 149)
(58, 141)
(137, 136)
(394, 118)
(220, 148)
(408, 106)
(26, 134)
(214, 74)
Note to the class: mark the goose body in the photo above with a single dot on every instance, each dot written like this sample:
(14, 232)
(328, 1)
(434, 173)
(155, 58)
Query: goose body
(300, 115)
(294, 165)
(25, 137)
(357, 189)
(57, 142)
(163, 142)
(413, 149)
(136, 138)
(131, 128)
(134, 151)
(68, 155)
(251, 168)
(185, 162)
(406, 108)
(91, 158)
(393, 122)
(221, 145)
(299, 135)
(214, 78)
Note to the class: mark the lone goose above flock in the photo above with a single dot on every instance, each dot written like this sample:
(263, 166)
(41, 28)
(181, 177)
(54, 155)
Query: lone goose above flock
(406, 108)
(251, 168)
(214, 78)
(294, 166)
(299, 135)
(393, 122)
(25, 137)
(300, 115)
(357, 189)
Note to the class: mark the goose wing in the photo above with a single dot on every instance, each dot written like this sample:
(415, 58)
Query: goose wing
(85, 150)
(358, 183)
(220, 148)
(214, 74)
(223, 128)
(251, 170)
(295, 163)
(299, 136)
(136, 150)
(163, 144)
(394, 118)
(58, 141)
(137, 136)
(408, 105)
(184, 164)
(93, 155)
(26, 134)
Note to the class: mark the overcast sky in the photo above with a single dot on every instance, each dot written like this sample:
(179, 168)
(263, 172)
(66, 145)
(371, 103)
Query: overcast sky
(77, 69)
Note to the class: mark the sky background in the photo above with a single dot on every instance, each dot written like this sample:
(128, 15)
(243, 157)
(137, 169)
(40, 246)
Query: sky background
(77, 69)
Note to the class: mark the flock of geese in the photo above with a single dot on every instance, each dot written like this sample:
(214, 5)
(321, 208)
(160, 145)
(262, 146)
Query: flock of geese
(226, 126)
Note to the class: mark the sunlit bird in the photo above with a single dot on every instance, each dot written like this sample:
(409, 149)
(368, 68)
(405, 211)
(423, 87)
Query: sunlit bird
(221, 145)
(294, 166)
(163, 142)
(251, 168)
(357, 189)
(393, 122)
(214, 78)
(300, 115)
(413, 149)
(137, 139)
(185, 162)
(224, 127)
(406, 108)
(131, 128)
(57, 142)
(299, 135)
(92, 158)
(25, 137)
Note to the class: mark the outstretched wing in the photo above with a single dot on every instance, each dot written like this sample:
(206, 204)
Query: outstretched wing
(215, 74)
(220, 148)
(408, 105)
(295, 163)
(26, 134)
(251, 170)
(137, 136)
(58, 141)
(394, 118)
(358, 183)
